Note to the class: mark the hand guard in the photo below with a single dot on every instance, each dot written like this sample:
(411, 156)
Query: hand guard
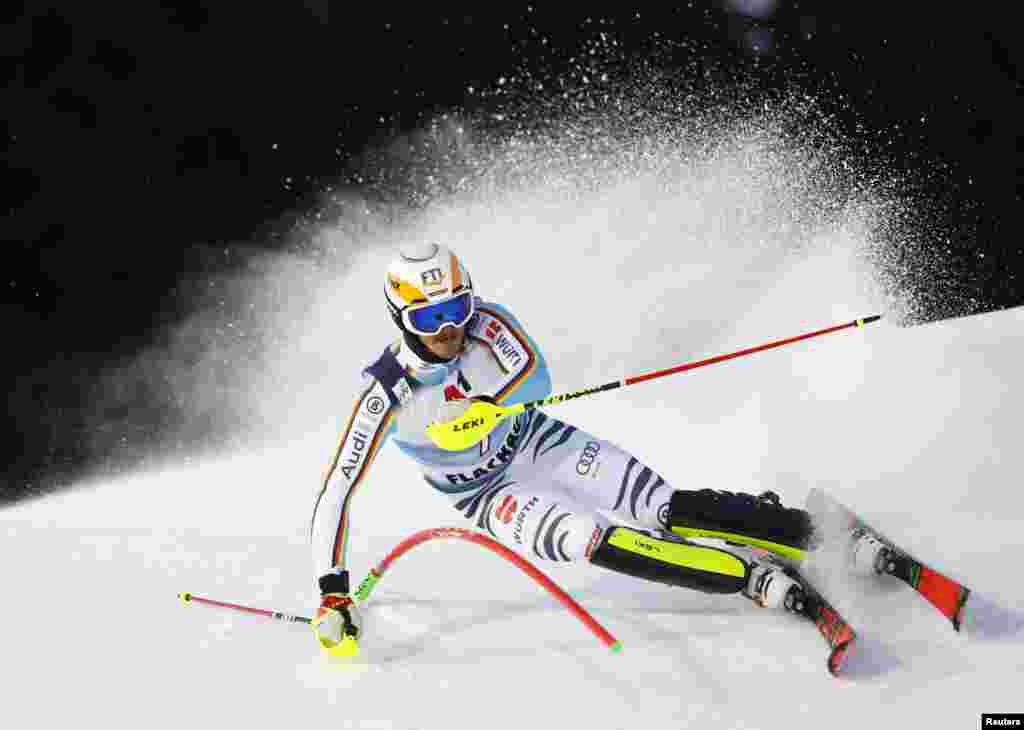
(337, 621)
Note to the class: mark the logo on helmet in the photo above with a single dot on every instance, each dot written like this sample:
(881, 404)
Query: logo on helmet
(433, 277)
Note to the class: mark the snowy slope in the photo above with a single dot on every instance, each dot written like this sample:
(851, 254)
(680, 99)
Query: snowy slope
(917, 428)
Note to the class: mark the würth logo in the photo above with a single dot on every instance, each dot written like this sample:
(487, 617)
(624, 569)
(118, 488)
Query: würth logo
(506, 509)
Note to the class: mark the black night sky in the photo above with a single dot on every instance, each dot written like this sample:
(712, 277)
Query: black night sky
(151, 142)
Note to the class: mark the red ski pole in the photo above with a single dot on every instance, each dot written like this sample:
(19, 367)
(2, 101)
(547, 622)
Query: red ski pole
(481, 417)
(277, 615)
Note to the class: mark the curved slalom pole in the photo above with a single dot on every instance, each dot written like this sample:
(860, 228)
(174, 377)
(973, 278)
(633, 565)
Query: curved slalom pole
(370, 581)
(483, 415)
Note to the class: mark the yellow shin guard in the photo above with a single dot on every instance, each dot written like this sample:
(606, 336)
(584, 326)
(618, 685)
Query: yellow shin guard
(702, 568)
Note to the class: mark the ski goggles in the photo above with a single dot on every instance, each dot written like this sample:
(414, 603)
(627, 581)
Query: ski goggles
(430, 319)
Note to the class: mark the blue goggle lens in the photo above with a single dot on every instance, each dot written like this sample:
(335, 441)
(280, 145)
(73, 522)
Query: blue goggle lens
(432, 318)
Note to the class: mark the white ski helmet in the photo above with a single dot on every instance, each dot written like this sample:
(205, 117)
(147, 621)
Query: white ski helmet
(427, 288)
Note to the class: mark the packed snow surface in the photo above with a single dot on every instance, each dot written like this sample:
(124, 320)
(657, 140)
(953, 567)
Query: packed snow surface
(917, 428)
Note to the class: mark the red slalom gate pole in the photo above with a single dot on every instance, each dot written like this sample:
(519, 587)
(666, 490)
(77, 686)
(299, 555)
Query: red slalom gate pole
(371, 580)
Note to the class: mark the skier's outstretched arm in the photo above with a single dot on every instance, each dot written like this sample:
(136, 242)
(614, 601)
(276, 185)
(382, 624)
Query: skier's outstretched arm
(368, 427)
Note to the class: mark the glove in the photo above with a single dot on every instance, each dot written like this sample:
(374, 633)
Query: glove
(337, 621)
(448, 411)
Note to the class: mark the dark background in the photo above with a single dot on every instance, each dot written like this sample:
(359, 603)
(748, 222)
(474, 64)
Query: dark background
(151, 143)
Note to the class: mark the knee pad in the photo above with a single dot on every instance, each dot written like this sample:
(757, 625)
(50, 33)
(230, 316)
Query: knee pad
(741, 518)
(701, 568)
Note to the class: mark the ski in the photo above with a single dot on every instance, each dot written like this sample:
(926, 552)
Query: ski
(836, 631)
(947, 595)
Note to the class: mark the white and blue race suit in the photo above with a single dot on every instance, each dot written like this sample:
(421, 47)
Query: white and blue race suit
(535, 483)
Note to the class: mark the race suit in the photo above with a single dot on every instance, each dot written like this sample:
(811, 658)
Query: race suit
(534, 483)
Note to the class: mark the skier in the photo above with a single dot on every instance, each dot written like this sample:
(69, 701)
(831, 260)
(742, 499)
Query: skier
(534, 483)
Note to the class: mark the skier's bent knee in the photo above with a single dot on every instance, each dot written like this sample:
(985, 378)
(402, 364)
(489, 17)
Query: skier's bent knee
(546, 531)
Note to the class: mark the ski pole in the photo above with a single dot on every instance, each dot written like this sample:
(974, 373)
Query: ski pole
(277, 615)
(483, 415)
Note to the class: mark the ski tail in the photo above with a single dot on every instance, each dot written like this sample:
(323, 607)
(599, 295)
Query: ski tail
(836, 630)
(840, 649)
(947, 595)
(839, 635)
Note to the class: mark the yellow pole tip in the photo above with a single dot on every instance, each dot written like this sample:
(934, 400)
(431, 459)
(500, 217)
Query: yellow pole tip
(185, 597)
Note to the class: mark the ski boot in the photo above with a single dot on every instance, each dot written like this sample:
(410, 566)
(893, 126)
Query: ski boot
(869, 555)
(771, 586)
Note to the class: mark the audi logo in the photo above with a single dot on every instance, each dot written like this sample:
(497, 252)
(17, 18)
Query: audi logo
(586, 459)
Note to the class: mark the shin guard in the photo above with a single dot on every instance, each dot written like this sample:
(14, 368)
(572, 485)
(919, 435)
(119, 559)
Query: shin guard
(702, 568)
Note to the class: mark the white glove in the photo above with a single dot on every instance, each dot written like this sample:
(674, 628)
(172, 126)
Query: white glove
(450, 410)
